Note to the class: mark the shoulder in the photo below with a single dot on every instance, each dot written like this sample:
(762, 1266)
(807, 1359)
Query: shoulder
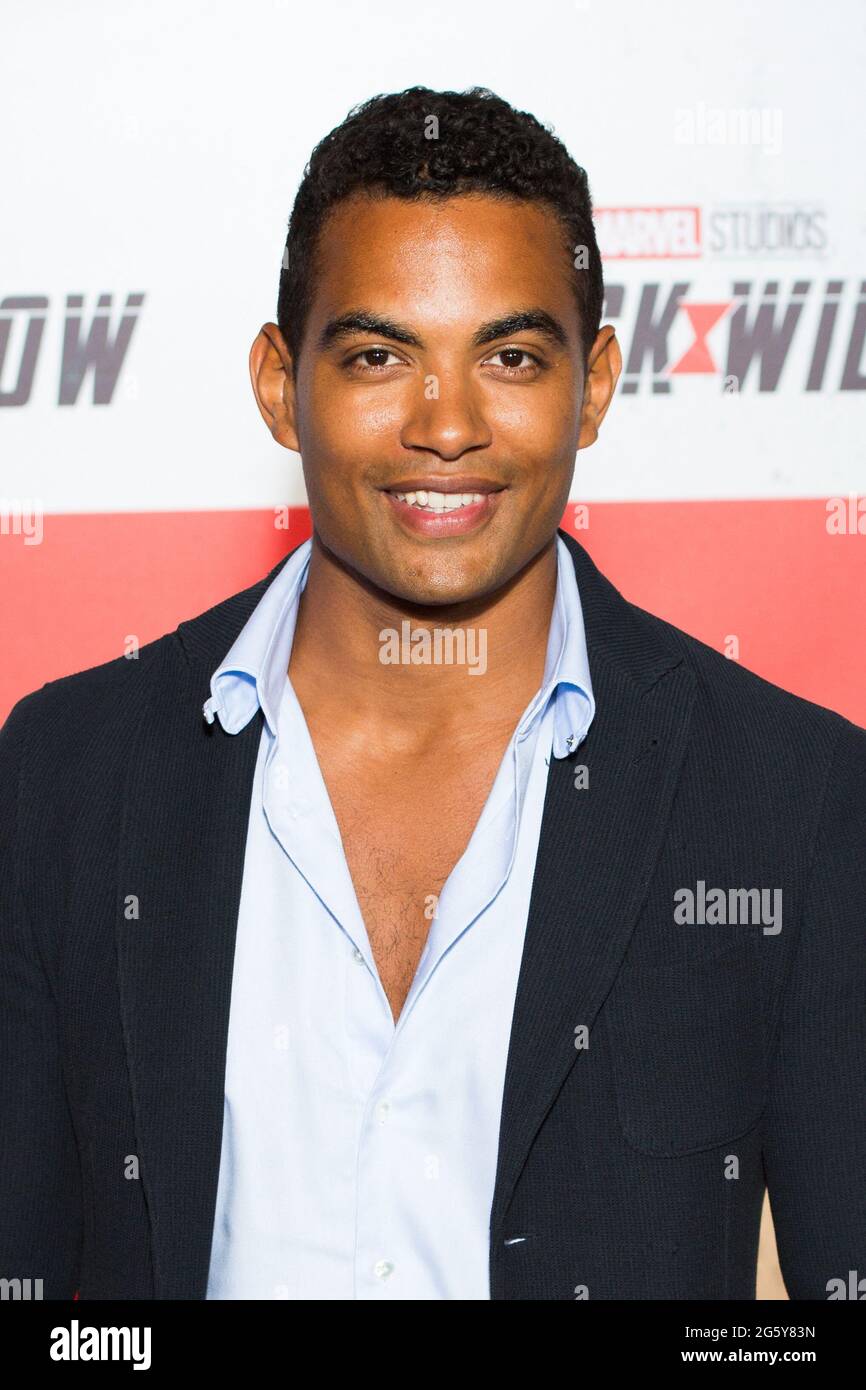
(67, 718)
(728, 694)
(105, 700)
(735, 691)
(744, 730)
(754, 728)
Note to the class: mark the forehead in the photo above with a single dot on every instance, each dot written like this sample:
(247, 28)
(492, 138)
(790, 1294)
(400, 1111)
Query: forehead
(468, 255)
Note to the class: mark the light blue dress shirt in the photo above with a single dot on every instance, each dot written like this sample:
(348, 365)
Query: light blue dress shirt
(359, 1155)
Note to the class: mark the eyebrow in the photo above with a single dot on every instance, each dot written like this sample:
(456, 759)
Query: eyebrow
(358, 321)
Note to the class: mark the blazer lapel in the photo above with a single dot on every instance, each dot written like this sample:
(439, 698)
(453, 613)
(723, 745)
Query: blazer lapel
(182, 849)
(596, 853)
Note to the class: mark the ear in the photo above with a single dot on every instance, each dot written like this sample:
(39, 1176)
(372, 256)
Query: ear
(602, 374)
(274, 385)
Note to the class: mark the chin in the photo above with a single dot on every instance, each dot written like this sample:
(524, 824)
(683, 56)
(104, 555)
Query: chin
(438, 587)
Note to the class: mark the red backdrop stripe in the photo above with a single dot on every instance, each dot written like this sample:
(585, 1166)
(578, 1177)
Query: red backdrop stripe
(767, 573)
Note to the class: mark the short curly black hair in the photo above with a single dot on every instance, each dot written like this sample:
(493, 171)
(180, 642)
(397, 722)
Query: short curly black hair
(482, 144)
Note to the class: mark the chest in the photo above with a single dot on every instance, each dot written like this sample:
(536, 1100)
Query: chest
(403, 829)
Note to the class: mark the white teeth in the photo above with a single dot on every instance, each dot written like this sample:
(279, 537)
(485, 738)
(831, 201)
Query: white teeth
(439, 501)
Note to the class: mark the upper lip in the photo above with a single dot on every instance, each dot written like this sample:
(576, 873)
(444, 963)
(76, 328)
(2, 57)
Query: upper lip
(449, 484)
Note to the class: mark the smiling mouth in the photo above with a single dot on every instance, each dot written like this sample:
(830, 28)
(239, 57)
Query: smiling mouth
(439, 502)
(441, 494)
(453, 508)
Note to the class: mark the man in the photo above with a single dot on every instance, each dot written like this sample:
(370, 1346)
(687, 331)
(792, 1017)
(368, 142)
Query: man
(427, 921)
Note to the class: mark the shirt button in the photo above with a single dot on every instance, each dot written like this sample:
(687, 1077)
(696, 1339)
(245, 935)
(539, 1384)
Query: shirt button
(358, 956)
(382, 1268)
(383, 1110)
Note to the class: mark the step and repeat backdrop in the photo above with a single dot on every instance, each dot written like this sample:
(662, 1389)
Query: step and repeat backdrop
(150, 158)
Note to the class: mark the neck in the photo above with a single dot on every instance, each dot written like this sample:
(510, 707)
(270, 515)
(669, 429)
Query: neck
(408, 673)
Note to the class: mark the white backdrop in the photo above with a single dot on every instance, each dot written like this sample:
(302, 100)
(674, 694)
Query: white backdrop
(155, 149)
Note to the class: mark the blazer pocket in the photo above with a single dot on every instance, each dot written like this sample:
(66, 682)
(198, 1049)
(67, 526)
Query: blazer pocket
(687, 1044)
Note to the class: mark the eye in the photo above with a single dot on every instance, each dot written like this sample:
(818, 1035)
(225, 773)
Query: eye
(535, 363)
(374, 352)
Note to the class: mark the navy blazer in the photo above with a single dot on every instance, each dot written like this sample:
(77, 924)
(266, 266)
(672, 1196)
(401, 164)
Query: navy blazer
(660, 1073)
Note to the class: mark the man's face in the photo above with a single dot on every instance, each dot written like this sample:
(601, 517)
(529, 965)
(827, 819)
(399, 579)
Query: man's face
(411, 380)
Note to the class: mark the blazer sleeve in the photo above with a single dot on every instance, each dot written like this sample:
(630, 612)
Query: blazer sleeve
(40, 1179)
(814, 1144)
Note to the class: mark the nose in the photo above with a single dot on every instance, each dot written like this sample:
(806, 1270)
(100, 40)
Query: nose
(445, 417)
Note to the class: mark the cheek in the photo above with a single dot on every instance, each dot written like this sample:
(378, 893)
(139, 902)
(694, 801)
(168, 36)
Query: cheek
(347, 416)
(333, 455)
(546, 420)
